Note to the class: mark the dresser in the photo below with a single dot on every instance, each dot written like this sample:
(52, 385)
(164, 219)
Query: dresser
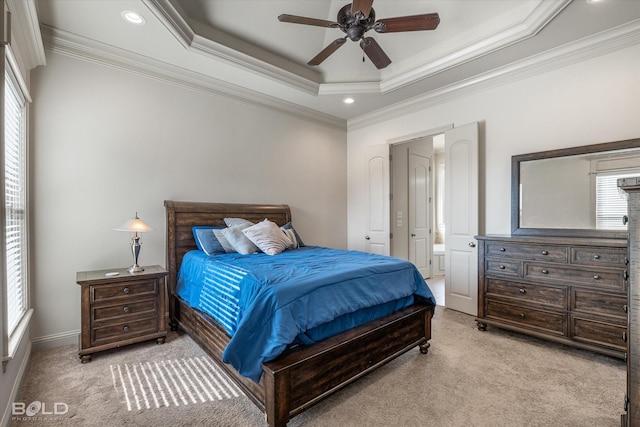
(120, 308)
(568, 290)
(631, 417)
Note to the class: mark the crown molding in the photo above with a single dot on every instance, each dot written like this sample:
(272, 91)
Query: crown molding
(618, 38)
(78, 47)
(26, 31)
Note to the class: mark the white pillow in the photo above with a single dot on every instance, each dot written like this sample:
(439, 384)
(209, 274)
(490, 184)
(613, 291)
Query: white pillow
(238, 240)
(268, 237)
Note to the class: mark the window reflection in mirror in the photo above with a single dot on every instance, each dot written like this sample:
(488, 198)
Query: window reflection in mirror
(576, 192)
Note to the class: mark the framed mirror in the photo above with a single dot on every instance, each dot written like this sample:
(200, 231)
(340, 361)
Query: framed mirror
(572, 191)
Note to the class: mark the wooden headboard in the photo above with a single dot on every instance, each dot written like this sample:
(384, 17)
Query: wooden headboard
(183, 216)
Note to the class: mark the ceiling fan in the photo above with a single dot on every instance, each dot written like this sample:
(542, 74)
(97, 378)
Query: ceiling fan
(357, 18)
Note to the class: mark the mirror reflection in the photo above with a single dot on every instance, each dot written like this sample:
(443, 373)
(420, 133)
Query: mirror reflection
(576, 192)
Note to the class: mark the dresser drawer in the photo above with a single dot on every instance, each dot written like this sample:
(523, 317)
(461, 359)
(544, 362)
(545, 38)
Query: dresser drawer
(599, 333)
(128, 310)
(553, 296)
(587, 301)
(550, 322)
(124, 330)
(503, 267)
(600, 277)
(614, 257)
(125, 290)
(548, 253)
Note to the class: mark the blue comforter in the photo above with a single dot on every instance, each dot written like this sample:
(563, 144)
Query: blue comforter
(302, 295)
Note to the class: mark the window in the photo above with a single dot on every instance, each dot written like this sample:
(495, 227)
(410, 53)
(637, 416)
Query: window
(15, 166)
(611, 204)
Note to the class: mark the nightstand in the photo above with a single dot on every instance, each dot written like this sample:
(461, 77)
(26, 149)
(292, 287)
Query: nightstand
(121, 309)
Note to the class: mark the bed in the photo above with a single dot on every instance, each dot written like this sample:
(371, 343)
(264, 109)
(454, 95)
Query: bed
(304, 374)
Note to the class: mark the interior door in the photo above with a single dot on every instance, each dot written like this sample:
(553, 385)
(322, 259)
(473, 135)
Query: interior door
(461, 218)
(420, 246)
(377, 219)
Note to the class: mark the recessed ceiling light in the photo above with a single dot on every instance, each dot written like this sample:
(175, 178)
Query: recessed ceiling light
(348, 100)
(132, 17)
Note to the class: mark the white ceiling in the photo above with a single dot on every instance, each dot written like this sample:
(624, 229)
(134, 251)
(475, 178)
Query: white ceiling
(240, 47)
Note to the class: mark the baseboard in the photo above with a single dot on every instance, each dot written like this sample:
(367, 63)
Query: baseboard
(55, 340)
(15, 389)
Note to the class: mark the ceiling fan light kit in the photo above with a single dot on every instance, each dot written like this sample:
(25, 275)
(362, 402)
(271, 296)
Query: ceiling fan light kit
(358, 17)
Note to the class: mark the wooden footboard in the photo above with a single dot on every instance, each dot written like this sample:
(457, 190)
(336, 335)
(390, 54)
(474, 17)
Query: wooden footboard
(302, 377)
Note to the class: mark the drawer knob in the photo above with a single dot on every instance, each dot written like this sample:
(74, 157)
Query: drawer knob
(625, 275)
(624, 336)
(522, 290)
(545, 253)
(126, 328)
(126, 309)
(522, 315)
(596, 277)
(126, 290)
(596, 256)
(502, 267)
(625, 308)
(503, 250)
(545, 271)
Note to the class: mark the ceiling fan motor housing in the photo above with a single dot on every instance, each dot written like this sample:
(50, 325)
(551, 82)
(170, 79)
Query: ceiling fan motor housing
(355, 25)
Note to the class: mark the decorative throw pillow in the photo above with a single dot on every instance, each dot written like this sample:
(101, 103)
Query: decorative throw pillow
(211, 241)
(232, 222)
(238, 240)
(293, 235)
(268, 237)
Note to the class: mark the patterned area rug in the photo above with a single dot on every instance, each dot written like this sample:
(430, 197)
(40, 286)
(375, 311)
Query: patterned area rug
(186, 381)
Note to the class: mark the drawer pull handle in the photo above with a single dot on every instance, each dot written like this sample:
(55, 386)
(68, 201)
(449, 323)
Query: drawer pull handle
(596, 256)
(522, 290)
(126, 290)
(625, 308)
(625, 275)
(545, 271)
(502, 267)
(596, 277)
(503, 250)
(126, 328)
(545, 253)
(522, 315)
(126, 309)
(624, 336)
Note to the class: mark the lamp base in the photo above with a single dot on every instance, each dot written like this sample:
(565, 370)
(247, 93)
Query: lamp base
(136, 269)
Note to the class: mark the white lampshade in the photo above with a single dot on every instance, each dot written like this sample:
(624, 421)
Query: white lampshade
(134, 225)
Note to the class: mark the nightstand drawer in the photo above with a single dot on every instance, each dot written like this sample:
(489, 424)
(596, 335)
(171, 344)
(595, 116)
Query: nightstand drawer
(550, 322)
(124, 330)
(129, 290)
(133, 309)
(554, 296)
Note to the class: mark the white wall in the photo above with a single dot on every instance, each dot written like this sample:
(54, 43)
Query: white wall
(594, 101)
(107, 143)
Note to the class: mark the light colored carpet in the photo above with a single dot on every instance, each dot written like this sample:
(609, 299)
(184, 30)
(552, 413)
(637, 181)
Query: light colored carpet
(469, 378)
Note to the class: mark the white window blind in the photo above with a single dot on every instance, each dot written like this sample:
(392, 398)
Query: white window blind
(15, 202)
(611, 204)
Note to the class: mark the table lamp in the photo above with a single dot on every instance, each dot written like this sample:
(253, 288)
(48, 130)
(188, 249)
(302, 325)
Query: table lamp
(135, 225)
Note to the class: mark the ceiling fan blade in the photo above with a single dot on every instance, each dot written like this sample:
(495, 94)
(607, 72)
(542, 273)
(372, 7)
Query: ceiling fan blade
(306, 21)
(428, 21)
(324, 54)
(363, 6)
(375, 52)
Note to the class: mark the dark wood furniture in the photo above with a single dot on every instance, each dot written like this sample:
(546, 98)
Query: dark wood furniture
(298, 379)
(121, 309)
(631, 418)
(564, 289)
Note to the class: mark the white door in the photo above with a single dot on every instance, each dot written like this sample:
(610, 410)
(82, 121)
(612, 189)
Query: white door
(461, 218)
(376, 234)
(420, 246)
